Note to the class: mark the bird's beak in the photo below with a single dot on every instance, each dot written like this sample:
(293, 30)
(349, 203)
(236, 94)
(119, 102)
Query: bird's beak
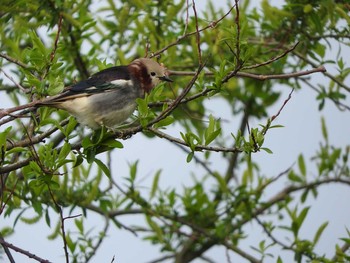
(166, 78)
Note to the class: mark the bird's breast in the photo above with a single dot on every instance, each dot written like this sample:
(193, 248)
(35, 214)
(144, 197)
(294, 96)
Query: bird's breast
(102, 109)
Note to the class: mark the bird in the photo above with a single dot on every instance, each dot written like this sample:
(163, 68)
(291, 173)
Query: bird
(108, 98)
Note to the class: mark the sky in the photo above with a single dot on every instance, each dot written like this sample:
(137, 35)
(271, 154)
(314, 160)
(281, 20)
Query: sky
(301, 134)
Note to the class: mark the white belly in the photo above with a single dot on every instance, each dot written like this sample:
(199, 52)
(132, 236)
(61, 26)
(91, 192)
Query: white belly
(82, 109)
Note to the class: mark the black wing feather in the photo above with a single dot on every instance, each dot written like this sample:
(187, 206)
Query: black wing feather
(99, 82)
(102, 79)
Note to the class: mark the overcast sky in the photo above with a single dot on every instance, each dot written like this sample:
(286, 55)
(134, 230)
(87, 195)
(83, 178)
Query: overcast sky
(301, 134)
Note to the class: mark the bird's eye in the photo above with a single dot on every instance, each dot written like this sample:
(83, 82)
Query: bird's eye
(153, 74)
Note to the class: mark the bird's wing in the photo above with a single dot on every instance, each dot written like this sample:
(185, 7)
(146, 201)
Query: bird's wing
(105, 80)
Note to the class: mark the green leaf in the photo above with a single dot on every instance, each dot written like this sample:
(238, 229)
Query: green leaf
(295, 178)
(154, 226)
(307, 8)
(165, 122)
(319, 232)
(212, 131)
(32, 220)
(79, 160)
(222, 182)
(35, 167)
(54, 185)
(266, 150)
(302, 216)
(72, 123)
(17, 150)
(47, 218)
(79, 224)
(55, 86)
(65, 150)
(113, 143)
(133, 171)
(86, 143)
(3, 136)
(142, 107)
(6, 231)
(190, 157)
(103, 167)
(37, 41)
(301, 165)
(71, 245)
(324, 129)
(155, 184)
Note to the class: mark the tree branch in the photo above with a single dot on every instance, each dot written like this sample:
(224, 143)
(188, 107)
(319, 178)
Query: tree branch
(211, 25)
(197, 147)
(22, 251)
(256, 76)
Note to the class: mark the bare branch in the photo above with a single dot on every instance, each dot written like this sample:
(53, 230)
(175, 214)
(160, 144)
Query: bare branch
(34, 140)
(283, 105)
(59, 209)
(7, 251)
(340, 83)
(187, 17)
(99, 242)
(24, 90)
(197, 147)
(211, 25)
(273, 59)
(22, 251)
(15, 61)
(256, 76)
(341, 106)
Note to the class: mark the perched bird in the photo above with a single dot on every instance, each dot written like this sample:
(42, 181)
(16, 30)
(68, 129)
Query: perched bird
(108, 97)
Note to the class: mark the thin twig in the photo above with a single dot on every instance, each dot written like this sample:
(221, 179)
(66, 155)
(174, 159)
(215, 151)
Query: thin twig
(256, 76)
(15, 61)
(273, 59)
(340, 83)
(341, 106)
(274, 239)
(211, 25)
(197, 147)
(24, 90)
(187, 17)
(34, 140)
(238, 33)
(53, 52)
(7, 251)
(99, 242)
(22, 251)
(283, 105)
(198, 40)
(59, 209)
(281, 76)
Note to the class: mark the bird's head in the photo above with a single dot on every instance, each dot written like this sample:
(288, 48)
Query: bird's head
(149, 72)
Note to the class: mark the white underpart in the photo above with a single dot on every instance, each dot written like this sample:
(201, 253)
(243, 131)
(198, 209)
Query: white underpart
(80, 108)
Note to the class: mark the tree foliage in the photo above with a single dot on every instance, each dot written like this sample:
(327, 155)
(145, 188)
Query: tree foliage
(241, 55)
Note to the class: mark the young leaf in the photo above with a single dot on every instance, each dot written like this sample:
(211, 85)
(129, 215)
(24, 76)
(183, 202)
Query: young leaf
(103, 167)
(301, 165)
(155, 184)
(319, 232)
